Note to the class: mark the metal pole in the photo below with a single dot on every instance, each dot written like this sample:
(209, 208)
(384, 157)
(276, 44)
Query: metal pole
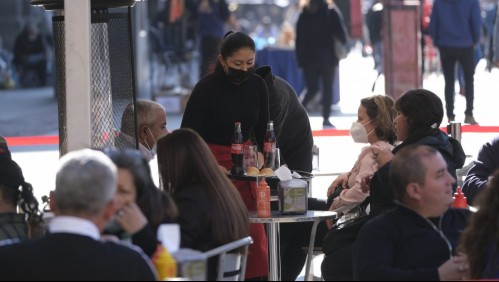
(78, 80)
(273, 242)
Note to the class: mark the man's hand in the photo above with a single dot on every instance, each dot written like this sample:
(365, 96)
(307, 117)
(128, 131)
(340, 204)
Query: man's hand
(456, 268)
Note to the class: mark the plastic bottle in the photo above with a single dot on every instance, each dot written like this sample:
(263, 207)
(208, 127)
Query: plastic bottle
(269, 145)
(165, 264)
(459, 199)
(236, 150)
(263, 198)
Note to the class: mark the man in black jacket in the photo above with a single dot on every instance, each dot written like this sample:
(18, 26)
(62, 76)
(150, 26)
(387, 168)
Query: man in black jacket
(483, 167)
(416, 239)
(83, 203)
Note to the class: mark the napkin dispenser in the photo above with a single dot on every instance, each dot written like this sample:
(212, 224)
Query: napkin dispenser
(293, 196)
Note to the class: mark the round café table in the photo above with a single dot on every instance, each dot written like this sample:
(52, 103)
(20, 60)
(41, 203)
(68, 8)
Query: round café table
(272, 224)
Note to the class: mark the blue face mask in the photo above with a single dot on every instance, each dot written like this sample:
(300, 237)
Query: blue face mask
(239, 76)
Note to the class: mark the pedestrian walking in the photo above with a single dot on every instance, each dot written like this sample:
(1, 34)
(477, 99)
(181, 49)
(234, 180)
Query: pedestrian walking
(455, 29)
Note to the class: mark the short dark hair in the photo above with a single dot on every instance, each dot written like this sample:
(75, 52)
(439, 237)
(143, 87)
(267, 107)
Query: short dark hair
(407, 167)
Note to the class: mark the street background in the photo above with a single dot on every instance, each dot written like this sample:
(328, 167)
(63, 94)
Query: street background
(31, 114)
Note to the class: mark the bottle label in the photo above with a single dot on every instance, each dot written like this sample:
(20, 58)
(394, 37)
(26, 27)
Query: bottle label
(268, 147)
(236, 149)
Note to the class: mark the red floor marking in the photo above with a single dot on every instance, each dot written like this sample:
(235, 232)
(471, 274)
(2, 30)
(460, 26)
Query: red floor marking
(54, 140)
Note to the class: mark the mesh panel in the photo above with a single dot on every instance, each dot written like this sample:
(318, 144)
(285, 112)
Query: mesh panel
(60, 81)
(111, 80)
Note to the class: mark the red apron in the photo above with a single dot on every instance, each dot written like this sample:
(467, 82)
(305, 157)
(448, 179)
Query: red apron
(257, 263)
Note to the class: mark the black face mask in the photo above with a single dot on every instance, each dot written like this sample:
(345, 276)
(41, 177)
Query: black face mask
(239, 76)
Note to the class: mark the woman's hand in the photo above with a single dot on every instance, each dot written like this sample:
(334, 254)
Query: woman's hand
(341, 179)
(365, 183)
(381, 155)
(131, 218)
(330, 222)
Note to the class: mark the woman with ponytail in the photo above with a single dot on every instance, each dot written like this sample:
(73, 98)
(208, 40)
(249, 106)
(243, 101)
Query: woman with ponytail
(14, 193)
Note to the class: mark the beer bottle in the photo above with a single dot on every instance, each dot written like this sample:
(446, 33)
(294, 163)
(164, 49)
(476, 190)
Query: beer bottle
(236, 150)
(269, 145)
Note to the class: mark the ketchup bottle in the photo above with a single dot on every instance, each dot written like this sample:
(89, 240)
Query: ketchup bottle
(459, 199)
(263, 198)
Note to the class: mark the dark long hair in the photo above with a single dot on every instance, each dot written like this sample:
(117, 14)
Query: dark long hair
(156, 206)
(184, 159)
(11, 179)
(480, 239)
(424, 111)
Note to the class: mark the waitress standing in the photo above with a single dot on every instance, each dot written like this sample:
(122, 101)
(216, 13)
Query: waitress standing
(233, 93)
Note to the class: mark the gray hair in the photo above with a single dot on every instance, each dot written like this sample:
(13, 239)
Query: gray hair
(145, 116)
(85, 182)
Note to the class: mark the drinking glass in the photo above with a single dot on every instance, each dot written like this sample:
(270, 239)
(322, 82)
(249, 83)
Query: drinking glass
(277, 159)
(250, 156)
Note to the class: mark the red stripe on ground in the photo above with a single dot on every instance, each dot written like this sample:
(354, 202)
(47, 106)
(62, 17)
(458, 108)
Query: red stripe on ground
(54, 140)
(32, 140)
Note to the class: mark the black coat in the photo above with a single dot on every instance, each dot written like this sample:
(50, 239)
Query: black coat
(291, 122)
(195, 223)
(401, 245)
(64, 256)
(484, 166)
(314, 37)
(216, 103)
(381, 191)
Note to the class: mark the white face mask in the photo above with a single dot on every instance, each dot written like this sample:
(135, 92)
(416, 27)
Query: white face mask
(153, 149)
(359, 133)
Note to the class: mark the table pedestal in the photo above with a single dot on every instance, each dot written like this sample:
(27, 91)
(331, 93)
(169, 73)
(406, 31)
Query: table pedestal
(275, 251)
(272, 224)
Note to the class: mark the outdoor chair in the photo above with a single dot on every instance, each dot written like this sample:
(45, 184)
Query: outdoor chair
(231, 266)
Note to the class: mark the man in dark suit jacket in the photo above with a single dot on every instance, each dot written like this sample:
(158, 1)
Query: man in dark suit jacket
(83, 203)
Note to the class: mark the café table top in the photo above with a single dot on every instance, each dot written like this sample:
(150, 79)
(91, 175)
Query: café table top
(277, 217)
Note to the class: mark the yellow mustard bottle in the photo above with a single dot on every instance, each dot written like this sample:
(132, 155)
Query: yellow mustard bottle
(165, 264)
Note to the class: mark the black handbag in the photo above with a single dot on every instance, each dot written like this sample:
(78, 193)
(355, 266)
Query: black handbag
(345, 232)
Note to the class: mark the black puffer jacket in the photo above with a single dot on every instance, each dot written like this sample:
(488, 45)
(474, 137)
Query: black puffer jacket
(381, 191)
(291, 122)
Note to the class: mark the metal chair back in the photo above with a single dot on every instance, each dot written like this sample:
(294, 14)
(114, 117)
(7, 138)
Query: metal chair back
(231, 266)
